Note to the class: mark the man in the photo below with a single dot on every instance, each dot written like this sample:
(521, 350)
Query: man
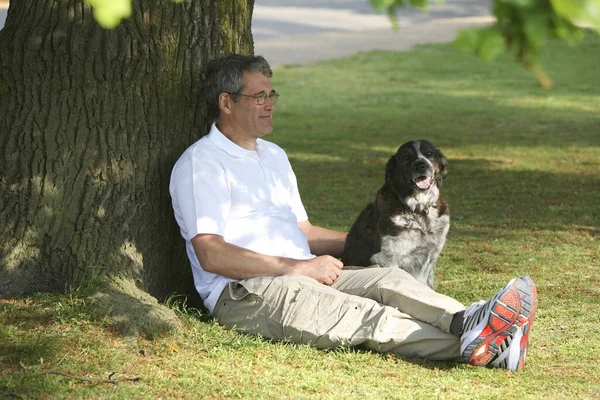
(261, 266)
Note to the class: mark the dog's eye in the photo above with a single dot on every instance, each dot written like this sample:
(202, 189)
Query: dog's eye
(428, 153)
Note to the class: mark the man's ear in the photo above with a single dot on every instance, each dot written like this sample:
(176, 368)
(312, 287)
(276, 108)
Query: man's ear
(225, 101)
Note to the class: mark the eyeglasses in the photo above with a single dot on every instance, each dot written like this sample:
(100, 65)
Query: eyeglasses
(261, 99)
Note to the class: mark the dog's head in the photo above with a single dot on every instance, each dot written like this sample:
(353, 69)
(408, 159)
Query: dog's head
(417, 165)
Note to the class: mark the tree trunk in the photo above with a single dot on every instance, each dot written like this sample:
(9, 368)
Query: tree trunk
(91, 123)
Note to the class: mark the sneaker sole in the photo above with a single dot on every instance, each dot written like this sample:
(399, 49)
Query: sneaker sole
(510, 312)
(527, 327)
(511, 358)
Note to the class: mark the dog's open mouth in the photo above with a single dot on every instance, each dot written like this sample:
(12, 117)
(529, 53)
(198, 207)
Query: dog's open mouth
(423, 182)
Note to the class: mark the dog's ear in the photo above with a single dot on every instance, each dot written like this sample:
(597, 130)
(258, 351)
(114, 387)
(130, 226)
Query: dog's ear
(443, 171)
(390, 169)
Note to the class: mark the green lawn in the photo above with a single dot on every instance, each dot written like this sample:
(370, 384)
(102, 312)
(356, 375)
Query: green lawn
(524, 193)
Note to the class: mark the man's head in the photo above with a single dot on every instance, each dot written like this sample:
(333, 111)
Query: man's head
(240, 97)
(226, 75)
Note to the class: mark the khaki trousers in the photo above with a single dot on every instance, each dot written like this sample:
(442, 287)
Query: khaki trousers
(381, 309)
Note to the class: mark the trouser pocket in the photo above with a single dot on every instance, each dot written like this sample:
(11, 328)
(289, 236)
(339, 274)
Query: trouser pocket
(241, 305)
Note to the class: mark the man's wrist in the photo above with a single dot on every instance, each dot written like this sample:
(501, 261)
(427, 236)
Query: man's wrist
(290, 265)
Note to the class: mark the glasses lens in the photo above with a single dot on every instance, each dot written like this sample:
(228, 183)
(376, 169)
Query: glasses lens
(262, 99)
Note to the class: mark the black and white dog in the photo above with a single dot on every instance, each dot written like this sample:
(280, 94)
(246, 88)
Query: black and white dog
(407, 224)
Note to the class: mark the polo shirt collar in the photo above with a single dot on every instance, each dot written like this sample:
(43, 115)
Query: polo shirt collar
(222, 142)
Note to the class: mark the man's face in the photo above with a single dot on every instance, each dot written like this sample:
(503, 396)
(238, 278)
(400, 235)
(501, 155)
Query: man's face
(249, 117)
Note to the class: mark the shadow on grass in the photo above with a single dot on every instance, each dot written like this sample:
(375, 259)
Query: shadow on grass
(18, 351)
(476, 189)
(523, 199)
(23, 339)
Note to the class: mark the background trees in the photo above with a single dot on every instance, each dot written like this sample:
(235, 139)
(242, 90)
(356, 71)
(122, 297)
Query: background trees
(522, 27)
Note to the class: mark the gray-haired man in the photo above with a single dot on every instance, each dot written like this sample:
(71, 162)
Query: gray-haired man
(261, 266)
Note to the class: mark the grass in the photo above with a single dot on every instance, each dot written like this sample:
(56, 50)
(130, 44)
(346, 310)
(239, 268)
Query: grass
(523, 186)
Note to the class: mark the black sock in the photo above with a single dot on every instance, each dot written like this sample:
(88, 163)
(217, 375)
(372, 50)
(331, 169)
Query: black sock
(457, 323)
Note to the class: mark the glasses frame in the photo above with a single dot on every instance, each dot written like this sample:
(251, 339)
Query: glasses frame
(261, 99)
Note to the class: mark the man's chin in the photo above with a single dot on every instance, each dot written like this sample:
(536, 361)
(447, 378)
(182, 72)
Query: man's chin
(266, 130)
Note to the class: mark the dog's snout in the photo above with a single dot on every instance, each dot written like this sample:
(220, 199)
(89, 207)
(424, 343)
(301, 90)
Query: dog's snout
(420, 167)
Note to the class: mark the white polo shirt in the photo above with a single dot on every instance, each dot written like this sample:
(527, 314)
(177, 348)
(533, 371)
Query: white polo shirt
(250, 198)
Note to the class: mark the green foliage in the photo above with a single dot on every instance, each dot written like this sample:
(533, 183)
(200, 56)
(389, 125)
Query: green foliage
(391, 7)
(522, 28)
(583, 11)
(109, 13)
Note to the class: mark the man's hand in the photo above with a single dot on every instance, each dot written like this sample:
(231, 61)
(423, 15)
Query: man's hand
(324, 269)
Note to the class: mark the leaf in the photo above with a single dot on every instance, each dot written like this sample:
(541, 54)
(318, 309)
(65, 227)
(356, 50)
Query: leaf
(467, 40)
(566, 30)
(521, 3)
(536, 30)
(109, 13)
(491, 45)
(567, 8)
(381, 5)
(419, 3)
(581, 12)
(393, 18)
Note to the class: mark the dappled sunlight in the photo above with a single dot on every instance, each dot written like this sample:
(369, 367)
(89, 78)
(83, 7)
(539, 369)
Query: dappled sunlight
(101, 212)
(544, 100)
(43, 186)
(25, 251)
(267, 206)
(557, 102)
(387, 149)
(505, 197)
(130, 251)
(364, 151)
(569, 160)
(295, 155)
(24, 248)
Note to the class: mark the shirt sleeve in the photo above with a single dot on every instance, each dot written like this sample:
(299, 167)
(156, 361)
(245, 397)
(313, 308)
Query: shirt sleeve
(203, 197)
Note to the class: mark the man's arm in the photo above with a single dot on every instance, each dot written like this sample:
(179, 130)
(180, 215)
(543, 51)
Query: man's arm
(222, 258)
(323, 241)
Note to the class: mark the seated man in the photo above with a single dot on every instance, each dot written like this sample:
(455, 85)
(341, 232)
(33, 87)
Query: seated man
(261, 266)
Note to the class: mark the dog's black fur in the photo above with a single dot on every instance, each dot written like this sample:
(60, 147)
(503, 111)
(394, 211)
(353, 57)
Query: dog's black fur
(407, 224)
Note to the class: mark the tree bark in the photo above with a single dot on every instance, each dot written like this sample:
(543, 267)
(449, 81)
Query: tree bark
(91, 123)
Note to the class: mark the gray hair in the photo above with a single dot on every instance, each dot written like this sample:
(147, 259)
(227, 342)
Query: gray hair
(226, 74)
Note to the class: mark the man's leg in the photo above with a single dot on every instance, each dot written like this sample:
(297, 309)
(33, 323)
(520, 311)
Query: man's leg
(397, 288)
(301, 310)
(493, 332)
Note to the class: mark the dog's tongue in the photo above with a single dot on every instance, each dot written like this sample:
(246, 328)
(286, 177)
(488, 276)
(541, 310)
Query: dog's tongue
(423, 182)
